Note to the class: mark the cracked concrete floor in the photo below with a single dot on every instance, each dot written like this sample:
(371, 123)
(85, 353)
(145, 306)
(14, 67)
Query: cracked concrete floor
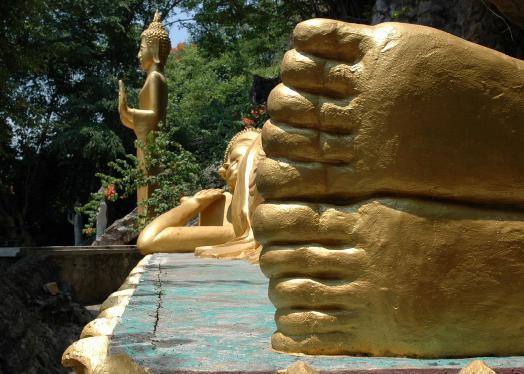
(202, 315)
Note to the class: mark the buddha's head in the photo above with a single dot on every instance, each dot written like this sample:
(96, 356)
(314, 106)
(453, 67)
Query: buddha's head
(155, 45)
(235, 152)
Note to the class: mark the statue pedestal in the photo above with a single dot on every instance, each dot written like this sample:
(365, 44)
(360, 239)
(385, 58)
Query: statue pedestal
(189, 314)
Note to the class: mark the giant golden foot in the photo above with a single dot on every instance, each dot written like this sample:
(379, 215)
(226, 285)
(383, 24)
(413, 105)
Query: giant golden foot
(394, 108)
(432, 127)
(394, 277)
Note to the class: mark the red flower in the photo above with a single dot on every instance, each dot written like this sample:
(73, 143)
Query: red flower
(110, 192)
(248, 122)
(89, 231)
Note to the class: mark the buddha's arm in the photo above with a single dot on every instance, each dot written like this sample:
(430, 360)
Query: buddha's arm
(164, 233)
(138, 118)
(145, 119)
(178, 216)
(186, 239)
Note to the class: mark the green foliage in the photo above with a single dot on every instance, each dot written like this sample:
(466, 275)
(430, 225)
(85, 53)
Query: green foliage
(90, 209)
(254, 31)
(402, 12)
(207, 99)
(60, 61)
(176, 174)
(259, 31)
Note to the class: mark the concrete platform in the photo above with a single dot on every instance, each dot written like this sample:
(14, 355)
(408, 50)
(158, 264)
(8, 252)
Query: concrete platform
(194, 315)
(91, 273)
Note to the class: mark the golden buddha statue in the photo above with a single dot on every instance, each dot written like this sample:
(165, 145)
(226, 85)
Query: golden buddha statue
(393, 221)
(152, 100)
(224, 228)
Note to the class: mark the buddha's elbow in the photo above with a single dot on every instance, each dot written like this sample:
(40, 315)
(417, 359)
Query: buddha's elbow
(144, 242)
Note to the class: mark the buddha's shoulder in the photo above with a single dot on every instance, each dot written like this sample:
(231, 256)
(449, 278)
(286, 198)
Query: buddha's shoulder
(155, 77)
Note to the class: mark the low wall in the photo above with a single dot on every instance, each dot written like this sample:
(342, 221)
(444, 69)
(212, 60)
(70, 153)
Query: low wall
(91, 272)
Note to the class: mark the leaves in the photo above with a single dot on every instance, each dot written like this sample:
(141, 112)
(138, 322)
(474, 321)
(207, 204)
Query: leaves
(176, 174)
(60, 62)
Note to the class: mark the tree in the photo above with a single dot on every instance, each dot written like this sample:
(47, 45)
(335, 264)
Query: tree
(60, 63)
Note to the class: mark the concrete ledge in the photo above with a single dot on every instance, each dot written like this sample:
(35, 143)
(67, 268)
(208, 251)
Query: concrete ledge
(89, 354)
(9, 252)
(79, 250)
(92, 272)
(66, 250)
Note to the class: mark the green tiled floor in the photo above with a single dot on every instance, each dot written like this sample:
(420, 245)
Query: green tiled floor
(191, 314)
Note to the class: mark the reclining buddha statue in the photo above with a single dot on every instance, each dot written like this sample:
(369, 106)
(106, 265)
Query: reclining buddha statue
(224, 229)
(393, 186)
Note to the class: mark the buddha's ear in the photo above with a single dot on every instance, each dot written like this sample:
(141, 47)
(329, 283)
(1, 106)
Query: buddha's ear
(222, 172)
(155, 48)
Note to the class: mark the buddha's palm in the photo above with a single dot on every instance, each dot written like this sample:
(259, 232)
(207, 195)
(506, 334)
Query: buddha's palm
(405, 111)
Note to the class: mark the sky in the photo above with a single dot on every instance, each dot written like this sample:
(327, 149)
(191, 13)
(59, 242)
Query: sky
(177, 33)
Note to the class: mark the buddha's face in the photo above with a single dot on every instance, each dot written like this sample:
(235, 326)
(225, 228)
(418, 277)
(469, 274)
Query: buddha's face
(145, 55)
(229, 171)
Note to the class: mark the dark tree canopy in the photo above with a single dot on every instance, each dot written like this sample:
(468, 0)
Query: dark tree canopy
(60, 63)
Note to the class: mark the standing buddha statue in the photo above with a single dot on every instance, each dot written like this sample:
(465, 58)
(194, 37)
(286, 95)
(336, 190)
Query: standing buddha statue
(152, 100)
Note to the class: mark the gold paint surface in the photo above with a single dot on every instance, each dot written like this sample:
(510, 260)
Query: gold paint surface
(394, 277)
(152, 100)
(394, 108)
(114, 311)
(224, 229)
(477, 367)
(131, 282)
(299, 367)
(84, 355)
(89, 354)
(99, 327)
(393, 180)
(120, 363)
(117, 298)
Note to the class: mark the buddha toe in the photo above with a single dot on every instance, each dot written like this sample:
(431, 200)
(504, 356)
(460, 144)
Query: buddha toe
(393, 218)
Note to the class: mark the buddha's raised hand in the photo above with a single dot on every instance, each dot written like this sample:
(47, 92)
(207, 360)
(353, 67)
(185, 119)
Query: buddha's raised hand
(141, 121)
(394, 108)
